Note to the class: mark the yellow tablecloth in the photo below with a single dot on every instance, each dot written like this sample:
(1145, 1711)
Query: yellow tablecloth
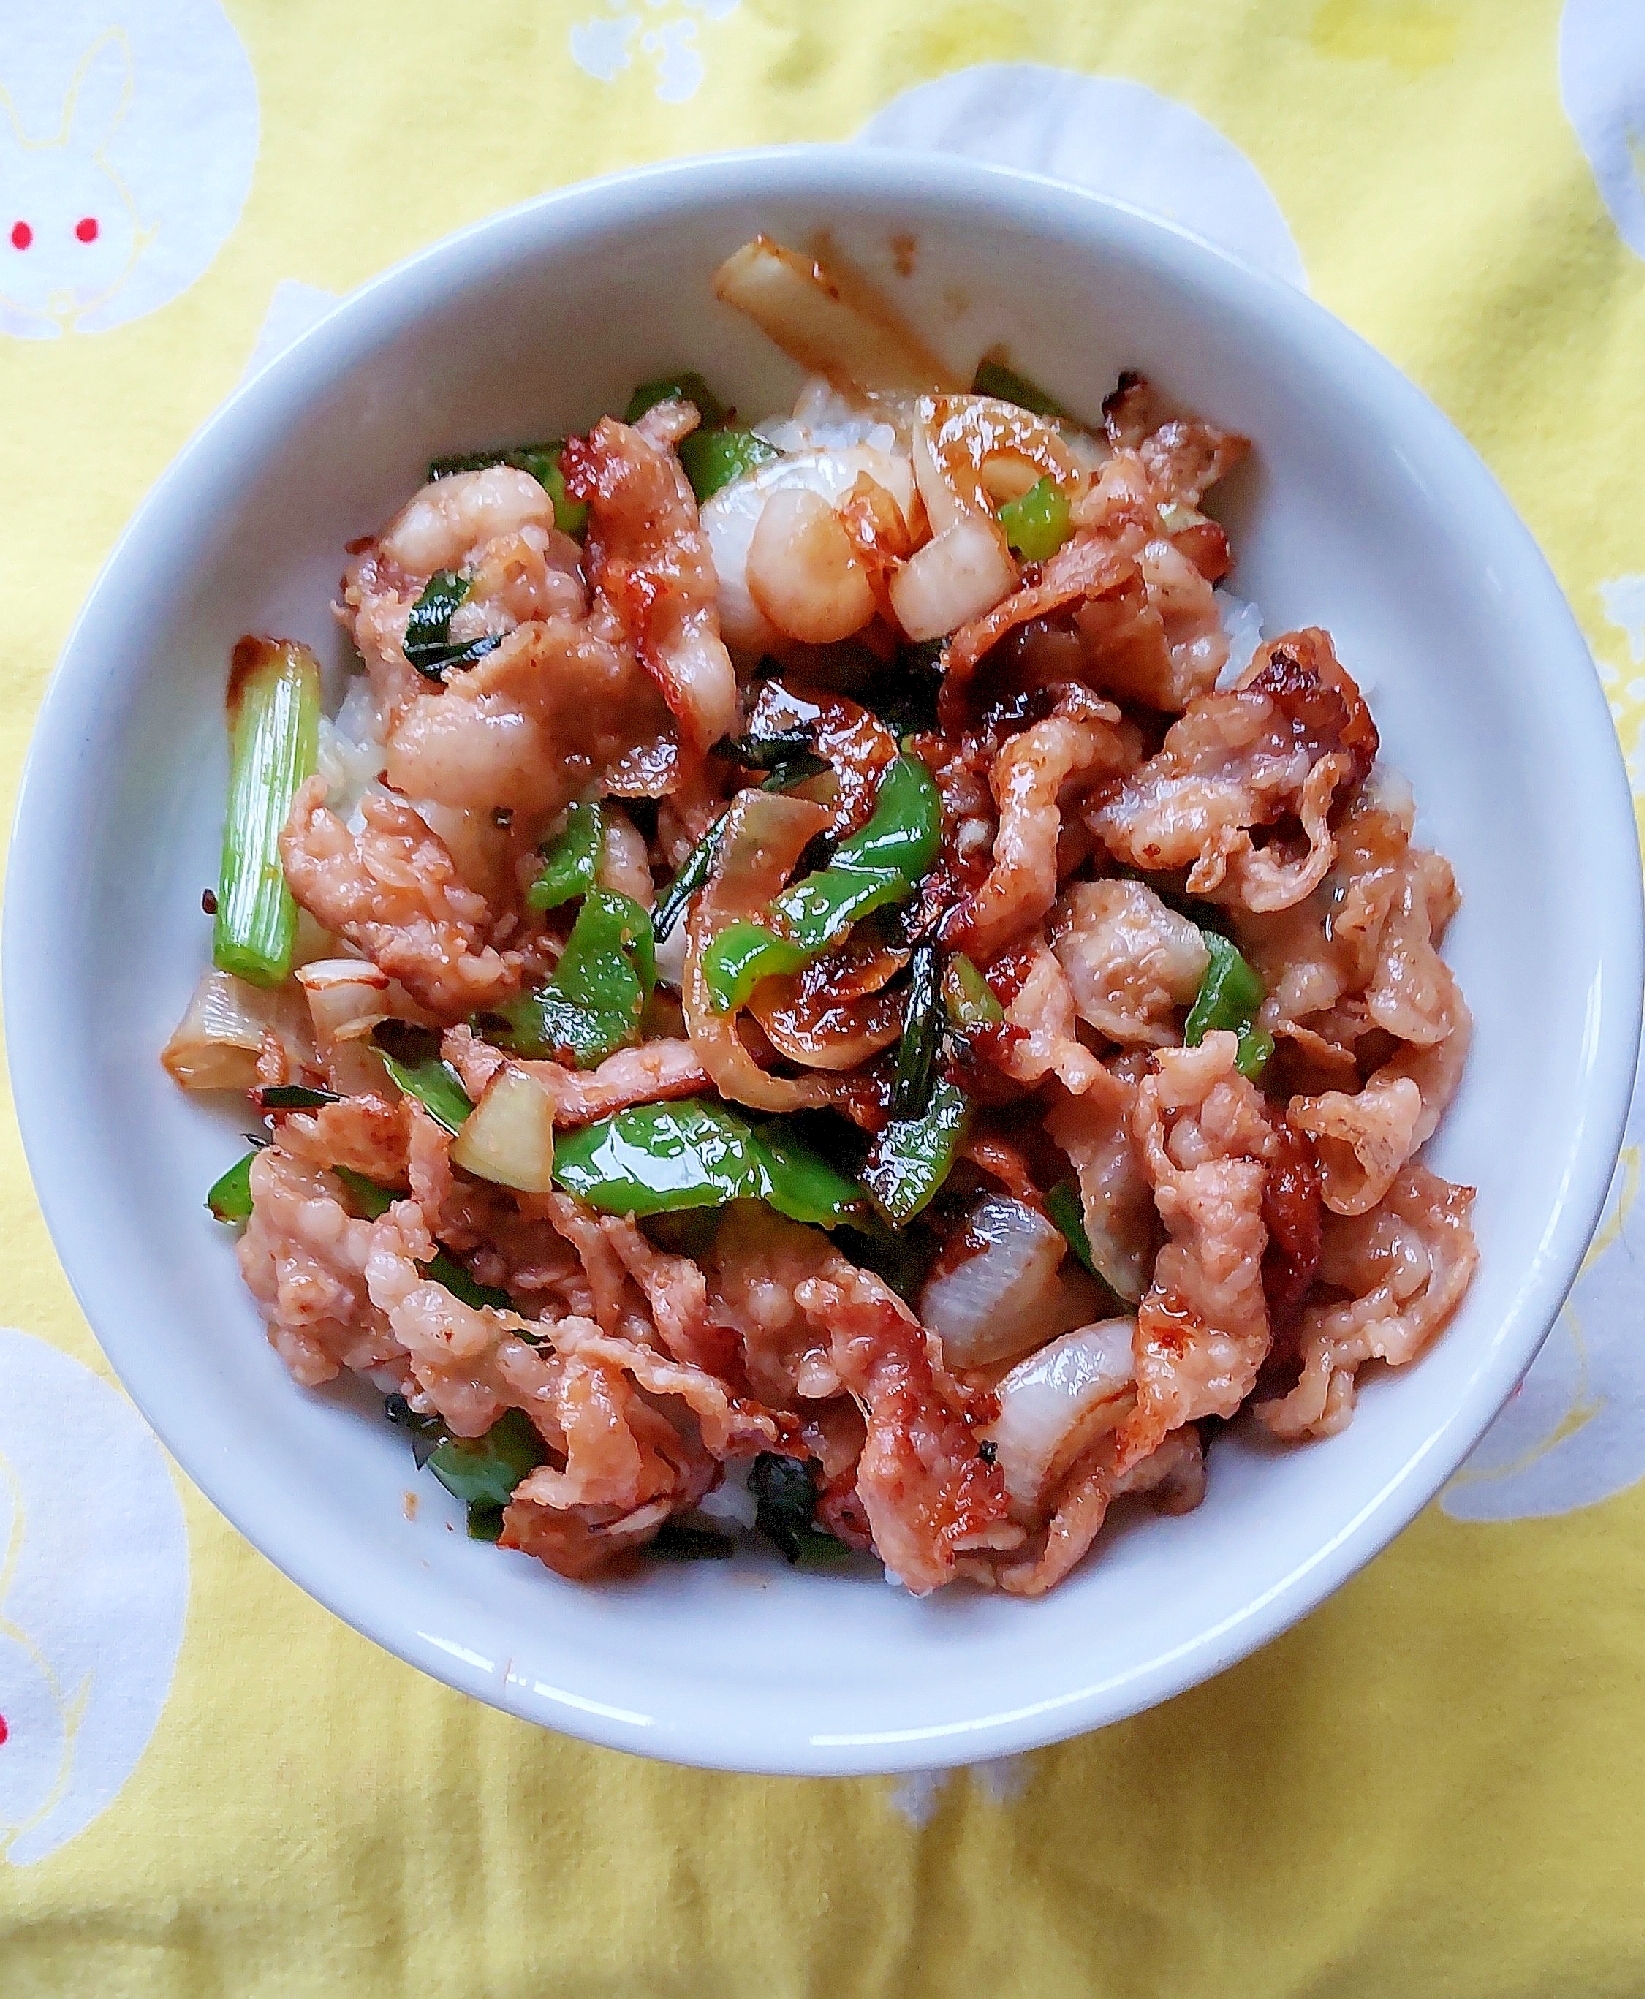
(1434, 1786)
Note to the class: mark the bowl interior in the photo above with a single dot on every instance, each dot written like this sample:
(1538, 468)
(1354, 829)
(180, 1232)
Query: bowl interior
(1363, 511)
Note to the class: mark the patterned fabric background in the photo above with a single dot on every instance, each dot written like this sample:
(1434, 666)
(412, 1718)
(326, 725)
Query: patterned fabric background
(208, 1785)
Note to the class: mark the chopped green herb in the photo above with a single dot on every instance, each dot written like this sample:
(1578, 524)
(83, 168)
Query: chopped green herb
(295, 1097)
(677, 1542)
(428, 643)
(785, 1508)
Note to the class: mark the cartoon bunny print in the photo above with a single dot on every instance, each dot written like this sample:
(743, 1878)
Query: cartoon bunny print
(72, 231)
(126, 151)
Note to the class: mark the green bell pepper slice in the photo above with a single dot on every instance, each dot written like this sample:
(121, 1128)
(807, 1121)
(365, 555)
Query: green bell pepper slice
(912, 1157)
(656, 1159)
(600, 988)
(571, 859)
(1228, 999)
(884, 863)
(716, 458)
(483, 1471)
(686, 387)
(1037, 522)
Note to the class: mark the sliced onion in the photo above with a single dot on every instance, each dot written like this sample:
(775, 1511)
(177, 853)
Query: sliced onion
(826, 323)
(217, 1042)
(998, 1290)
(1057, 1402)
(346, 997)
(765, 834)
(963, 572)
(509, 1136)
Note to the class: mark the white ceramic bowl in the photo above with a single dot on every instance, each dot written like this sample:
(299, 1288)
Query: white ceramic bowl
(1365, 511)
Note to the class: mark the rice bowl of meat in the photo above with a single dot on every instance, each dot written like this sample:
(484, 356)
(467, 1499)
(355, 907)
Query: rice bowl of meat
(833, 957)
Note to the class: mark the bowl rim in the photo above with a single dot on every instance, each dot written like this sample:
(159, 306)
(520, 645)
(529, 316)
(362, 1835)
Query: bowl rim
(382, 309)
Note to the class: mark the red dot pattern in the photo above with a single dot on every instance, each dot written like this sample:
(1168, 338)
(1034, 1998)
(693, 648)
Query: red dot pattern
(4, 1731)
(86, 229)
(21, 235)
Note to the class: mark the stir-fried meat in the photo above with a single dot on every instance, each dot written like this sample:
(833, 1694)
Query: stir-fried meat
(653, 1073)
(1233, 1237)
(365, 1134)
(757, 1265)
(1202, 1328)
(392, 891)
(928, 1493)
(304, 1259)
(1293, 1214)
(559, 707)
(1081, 740)
(1043, 1039)
(1097, 1131)
(649, 558)
(1404, 1268)
(1172, 1474)
(1133, 964)
(1280, 746)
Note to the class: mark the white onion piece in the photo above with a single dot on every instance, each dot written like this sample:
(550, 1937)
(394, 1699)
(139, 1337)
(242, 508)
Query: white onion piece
(216, 1043)
(1056, 1402)
(963, 572)
(346, 997)
(1002, 1295)
(730, 517)
(508, 1138)
(828, 323)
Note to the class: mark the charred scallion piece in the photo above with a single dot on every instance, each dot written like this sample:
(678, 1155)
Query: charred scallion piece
(921, 1034)
(785, 1509)
(274, 740)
